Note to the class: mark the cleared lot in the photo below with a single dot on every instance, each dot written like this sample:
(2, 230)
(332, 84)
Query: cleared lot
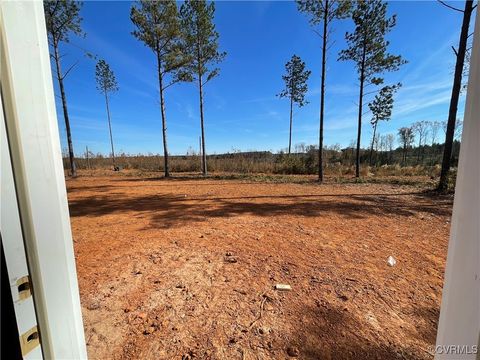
(185, 268)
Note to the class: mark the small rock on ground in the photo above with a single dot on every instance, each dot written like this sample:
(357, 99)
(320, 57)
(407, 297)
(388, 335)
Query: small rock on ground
(293, 351)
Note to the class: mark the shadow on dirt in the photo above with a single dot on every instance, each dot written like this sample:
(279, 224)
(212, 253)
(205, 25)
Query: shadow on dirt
(429, 316)
(96, 188)
(170, 210)
(327, 332)
(245, 178)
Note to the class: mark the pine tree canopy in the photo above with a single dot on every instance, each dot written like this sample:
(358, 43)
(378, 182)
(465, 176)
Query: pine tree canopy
(62, 17)
(336, 9)
(106, 81)
(200, 40)
(295, 81)
(382, 104)
(367, 45)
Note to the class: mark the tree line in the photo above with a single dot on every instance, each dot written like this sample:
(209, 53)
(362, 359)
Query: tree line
(339, 161)
(185, 44)
(183, 40)
(367, 47)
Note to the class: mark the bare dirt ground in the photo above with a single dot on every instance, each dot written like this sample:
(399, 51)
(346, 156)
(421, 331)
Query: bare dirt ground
(185, 268)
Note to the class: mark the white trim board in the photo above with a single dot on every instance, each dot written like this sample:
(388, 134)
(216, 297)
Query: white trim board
(33, 136)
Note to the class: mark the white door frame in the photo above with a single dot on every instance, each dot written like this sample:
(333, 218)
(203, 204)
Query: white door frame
(15, 257)
(32, 131)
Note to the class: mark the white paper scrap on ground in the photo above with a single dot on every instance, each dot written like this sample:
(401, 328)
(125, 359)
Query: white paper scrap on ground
(283, 287)
(391, 261)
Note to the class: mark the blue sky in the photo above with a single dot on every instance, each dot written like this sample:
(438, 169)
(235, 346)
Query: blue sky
(241, 109)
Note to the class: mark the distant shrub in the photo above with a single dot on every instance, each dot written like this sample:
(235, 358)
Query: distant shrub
(337, 164)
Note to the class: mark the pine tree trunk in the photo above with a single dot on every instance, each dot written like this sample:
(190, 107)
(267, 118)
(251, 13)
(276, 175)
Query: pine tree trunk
(200, 90)
(88, 158)
(164, 120)
(457, 84)
(200, 152)
(204, 154)
(322, 94)
(373, 140)
(73, 168)
(419, 153)
(360, 110)
(291, 120)
(110, 129)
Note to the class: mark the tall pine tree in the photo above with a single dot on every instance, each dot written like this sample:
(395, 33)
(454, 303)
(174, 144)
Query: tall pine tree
(406, 137)
(157, 27)
(62, 18)
(323, 12)
(456, 88)
(200, 43)
(367, 47)
(296, 87)
(381, 107)
(107, 83)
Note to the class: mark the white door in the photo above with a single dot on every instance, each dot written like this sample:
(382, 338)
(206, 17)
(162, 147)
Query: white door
(15, 258)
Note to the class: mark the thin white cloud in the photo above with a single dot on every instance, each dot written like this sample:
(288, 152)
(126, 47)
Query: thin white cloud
(435, 58)
(189, 110)
(414, 104)
(121, 58)
(150, 95)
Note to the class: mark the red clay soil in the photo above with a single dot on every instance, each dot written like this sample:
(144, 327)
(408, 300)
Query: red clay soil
(186, 268)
